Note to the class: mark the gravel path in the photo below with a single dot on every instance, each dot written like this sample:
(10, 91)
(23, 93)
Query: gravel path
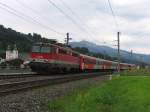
(36, 100)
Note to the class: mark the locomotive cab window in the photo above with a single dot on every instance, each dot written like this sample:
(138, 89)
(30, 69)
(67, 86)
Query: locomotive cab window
(62, 51)
(45, 49)
(41, 49)
(36, 49)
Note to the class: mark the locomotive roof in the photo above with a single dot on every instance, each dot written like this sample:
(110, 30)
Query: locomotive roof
(62, 47)
(100, 59)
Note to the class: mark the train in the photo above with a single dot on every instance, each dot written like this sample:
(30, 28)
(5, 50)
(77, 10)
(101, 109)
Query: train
(49, 58)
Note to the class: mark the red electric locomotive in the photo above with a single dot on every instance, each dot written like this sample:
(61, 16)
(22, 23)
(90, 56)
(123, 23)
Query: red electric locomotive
(53, 58)
(48, 58)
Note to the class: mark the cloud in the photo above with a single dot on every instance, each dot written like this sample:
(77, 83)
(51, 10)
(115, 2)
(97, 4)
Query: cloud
(94, 21)
(127, 2)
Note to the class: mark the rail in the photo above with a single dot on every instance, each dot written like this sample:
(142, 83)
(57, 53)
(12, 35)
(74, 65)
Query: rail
(31, 82)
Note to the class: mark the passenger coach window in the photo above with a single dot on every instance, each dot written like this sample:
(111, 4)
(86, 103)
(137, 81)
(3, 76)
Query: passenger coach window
(45, 49)
(36, 49)
(61, 51)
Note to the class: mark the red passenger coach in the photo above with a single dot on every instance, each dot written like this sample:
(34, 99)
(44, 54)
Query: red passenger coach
(96, 64)
(88, 62)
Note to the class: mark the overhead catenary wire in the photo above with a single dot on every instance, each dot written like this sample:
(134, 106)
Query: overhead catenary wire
(33, 20)
(72, 20)
(26, 17)
(17, 16)
(113, 14)
(69, 9)
(73, 12)
(31, 9)
(37, 13)
(83, 23)
(69, 17)
(13, 13)
(114, 18)
(65, 14)
(26, 6)
(77, 17)
(118, 35)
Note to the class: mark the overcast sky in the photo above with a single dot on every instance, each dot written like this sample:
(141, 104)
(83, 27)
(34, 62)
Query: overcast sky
(92, 20)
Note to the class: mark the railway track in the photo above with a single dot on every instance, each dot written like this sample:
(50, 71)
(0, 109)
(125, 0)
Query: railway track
(16, 75)
(14, 85)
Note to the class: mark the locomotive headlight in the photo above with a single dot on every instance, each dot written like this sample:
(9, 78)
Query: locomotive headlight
(45, 60)
(40, 60)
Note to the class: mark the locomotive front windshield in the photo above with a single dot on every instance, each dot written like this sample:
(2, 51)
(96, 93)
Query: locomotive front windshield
(36, 49)
(41, 49)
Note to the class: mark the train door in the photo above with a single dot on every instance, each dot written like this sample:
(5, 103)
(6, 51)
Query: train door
(81, 63)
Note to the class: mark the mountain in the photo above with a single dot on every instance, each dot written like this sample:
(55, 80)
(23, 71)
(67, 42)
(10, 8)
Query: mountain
(112, 52)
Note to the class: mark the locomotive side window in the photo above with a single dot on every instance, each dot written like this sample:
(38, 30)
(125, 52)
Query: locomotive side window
(89, 61)
(45, 49)
(36, 49)
(41, 49)
(98, 62)
(62, 51)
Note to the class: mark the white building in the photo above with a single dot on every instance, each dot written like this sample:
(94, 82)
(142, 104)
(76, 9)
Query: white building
(10, 55)
(15, 53)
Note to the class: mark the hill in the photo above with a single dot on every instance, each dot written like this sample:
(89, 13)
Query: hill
(112, 52)
(23, 42)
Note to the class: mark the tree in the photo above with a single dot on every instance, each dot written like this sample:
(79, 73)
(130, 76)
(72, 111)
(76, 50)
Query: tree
(83, 50)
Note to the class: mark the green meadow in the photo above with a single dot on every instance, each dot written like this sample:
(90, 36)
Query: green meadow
(125, 93)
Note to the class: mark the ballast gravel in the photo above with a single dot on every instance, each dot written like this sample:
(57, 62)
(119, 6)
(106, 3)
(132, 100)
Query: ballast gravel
(36, 100)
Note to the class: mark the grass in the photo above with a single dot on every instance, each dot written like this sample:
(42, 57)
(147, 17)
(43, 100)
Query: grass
(136, 72)
(121, 94)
